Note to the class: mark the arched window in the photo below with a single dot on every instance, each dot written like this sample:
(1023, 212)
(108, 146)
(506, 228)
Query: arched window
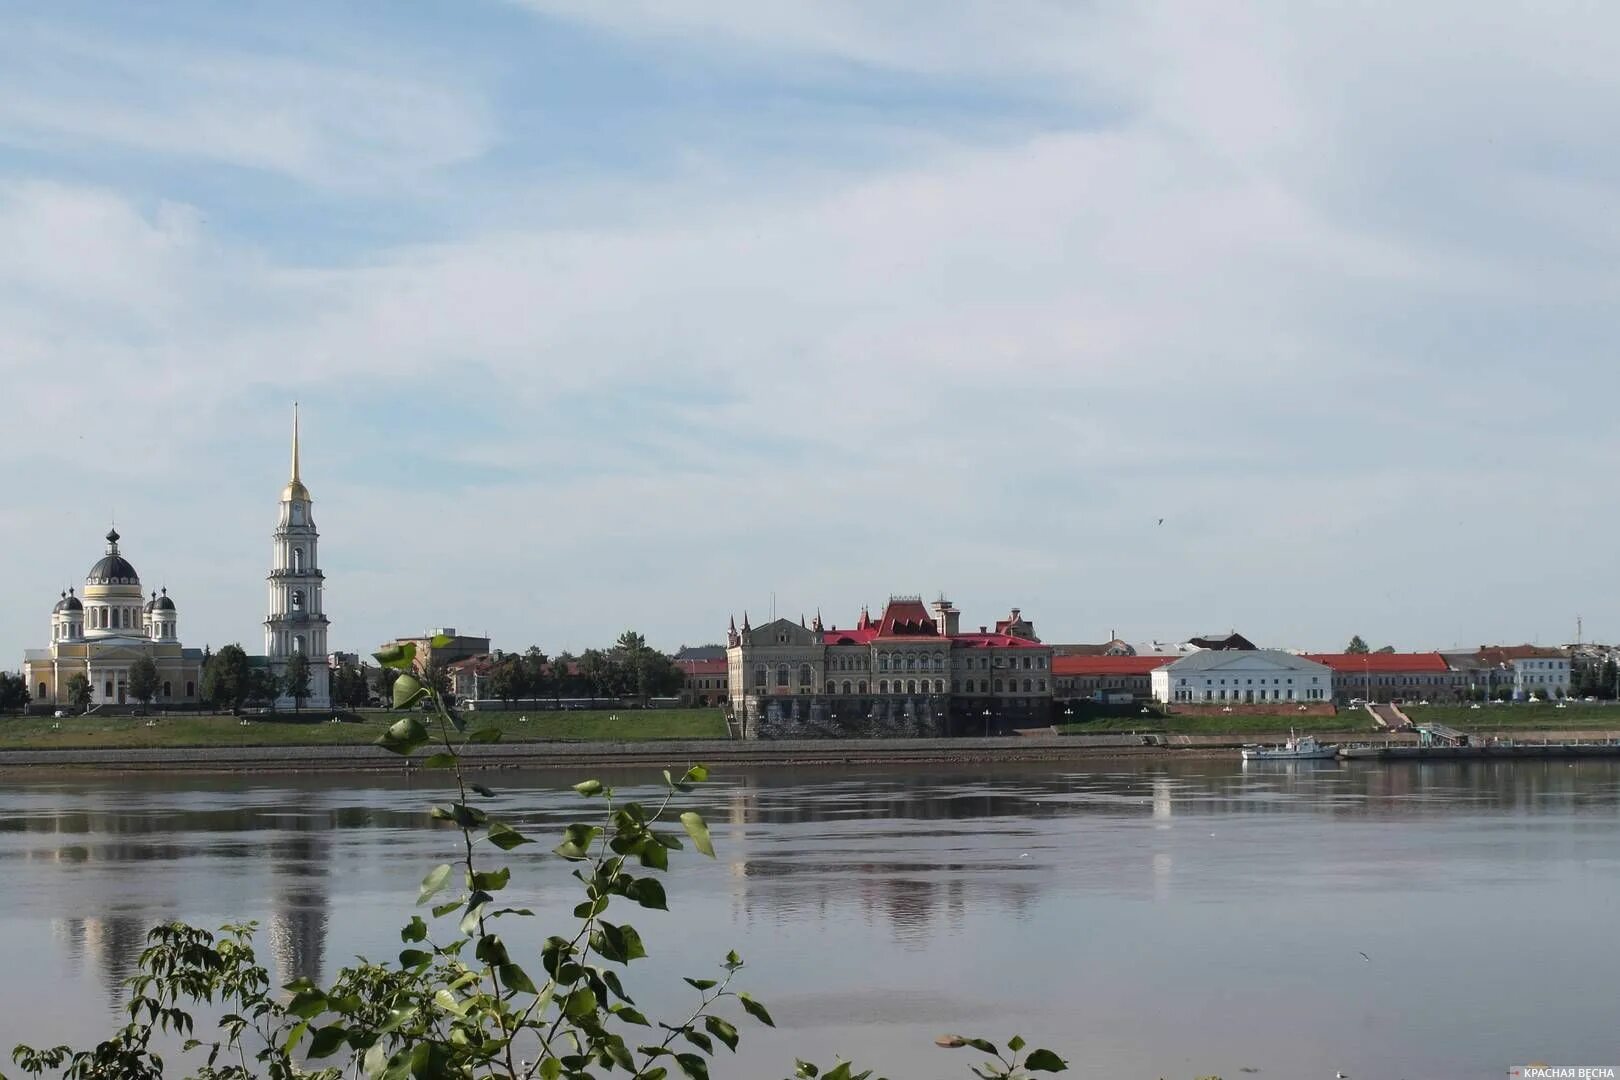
(939, 686)
(298, 560)
(806, 676)
(883, 661)
(832, 687)
(862, 685)
(911, 686)
(939, 662)
(883, 686)
(1028, 686)
(846, 686)
(998, 686)
(42, 694)
(191, 689)
(298, 643)
(298, 599)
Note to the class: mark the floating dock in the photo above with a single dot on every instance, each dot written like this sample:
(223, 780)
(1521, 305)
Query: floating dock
(1493, 751)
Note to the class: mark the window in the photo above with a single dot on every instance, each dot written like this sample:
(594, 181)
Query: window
(1028, 686)
(846, 686)
(42, 694)
(832, 687)
(108, 691)
(883, 686)
(862, 686)
(191, 689)
(805, 676)
(298, 599)
(298, 643)
(298, 560)
(1040, 684)
(760, 678)
(782, 676)
(998, 686)
(167, 691)
(939, 686)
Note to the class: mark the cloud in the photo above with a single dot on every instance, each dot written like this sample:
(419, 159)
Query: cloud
(1245, 300)
(328, 124)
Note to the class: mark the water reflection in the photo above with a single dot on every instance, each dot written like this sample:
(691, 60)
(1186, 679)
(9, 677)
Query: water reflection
(1028, 873)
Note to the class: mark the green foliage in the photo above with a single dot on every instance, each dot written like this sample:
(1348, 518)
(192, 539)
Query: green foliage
(78, 691)
(144, 680)
(1357, 646)
(457, 1001)
(13, 692)
(295, 679)
(351, 686)
(227, 681)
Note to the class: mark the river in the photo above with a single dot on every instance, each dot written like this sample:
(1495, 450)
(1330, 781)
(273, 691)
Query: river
(1145, 918)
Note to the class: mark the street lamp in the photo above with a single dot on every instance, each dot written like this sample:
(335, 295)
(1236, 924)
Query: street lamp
(987, 723)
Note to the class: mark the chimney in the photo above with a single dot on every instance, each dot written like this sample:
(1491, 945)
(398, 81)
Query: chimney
(947, 618)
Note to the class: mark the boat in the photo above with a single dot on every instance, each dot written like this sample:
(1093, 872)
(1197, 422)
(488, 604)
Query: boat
(1297, 748)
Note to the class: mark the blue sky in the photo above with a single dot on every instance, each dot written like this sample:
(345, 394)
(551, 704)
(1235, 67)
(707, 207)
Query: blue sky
(636, 314)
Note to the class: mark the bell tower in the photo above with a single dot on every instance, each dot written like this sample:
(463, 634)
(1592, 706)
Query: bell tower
(297, 619)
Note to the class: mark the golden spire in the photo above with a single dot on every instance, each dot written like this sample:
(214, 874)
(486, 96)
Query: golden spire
(295, 488)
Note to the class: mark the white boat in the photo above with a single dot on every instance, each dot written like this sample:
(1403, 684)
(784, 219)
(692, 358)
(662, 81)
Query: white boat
(1297, 748)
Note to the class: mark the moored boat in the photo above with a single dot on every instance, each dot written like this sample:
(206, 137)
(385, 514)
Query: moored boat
(1297, 748)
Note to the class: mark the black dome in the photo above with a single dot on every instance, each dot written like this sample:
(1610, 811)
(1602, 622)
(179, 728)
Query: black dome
(72, 604)
(112, 568)
(165, 604)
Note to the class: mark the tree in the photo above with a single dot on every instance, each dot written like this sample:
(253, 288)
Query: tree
(437, 675)
(1357, 646)
(1609, 681)
(1387, 649)
(227, 680)
(13, 692)
(508, 681)
(295, 680)
(144, 680)
(383, 683)
(538, 676)
(562, 675)
(597, 671)
(263, 688)
(351, 686)
(78, 691)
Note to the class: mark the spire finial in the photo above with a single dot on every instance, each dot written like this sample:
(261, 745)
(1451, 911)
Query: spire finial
(295, 443)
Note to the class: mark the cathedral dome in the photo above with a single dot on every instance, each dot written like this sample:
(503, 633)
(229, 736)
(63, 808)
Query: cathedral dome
(66, 604)
(112, 568)
(163, 603)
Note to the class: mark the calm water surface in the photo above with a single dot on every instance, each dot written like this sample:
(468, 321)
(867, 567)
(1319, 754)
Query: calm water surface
(1147, 919)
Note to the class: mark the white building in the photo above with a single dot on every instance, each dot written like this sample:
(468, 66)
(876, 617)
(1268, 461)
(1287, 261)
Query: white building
(1249, 676)
(296, 622)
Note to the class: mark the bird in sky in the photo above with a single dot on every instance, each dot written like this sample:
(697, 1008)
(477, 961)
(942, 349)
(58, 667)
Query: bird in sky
(1365, 957)
(1161, 521)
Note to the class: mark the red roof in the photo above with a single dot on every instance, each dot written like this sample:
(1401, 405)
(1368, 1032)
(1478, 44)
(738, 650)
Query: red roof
(1109, 665)
(906, 618)
(702, 667)
(992, 641)
(1383, 663)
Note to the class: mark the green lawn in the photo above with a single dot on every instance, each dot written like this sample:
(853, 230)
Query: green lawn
(183, 729)
(1577, 716)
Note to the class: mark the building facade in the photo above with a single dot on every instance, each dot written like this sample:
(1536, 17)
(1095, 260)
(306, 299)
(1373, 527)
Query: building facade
(706, 681)
(913, 669)
(1102, 677)
(1242, 676)
(456, 647)
(104, 631)
(296, 623)
(1392, 676)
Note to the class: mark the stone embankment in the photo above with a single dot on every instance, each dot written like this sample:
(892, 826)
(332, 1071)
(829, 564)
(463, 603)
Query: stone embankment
(577, 755)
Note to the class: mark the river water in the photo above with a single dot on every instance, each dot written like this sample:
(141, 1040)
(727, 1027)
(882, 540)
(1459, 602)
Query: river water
(1144, 918)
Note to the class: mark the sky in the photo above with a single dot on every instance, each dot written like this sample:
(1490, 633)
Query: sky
(1149, 319)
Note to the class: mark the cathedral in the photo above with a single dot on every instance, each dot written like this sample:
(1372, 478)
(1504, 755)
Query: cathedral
(101, 631)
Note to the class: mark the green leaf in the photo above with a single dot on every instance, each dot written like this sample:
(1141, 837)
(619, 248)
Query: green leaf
(469, 921)
(516, 979)
(505, 837)
(588, 788)
(415, 930)
(408, 690)
(327, 1040)
(435, 880)
(577, 841)
(697, 774)
(629, 1015)
(579, 1004)
(398, 657)
(722, 1031)
(693, 1066)
(1045, 1061)
(485, 734)
(440, 641)
(699, 1040)
(1016, 1043)
(492, 880)
(698, 831)
(441, 910)
(441, 760)
(409, 958)
(702, 984)
(648, 892)
(550, 1069)
(307, 1004)
(403, 737)
(982, 1045)
(755, 1009)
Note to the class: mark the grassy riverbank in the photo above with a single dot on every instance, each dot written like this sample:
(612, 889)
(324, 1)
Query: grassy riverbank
(1578, 716)
(285, 729)
(1223, 724)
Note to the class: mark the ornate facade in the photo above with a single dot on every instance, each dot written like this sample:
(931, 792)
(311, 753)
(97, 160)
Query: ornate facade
(102, 632)
(297, 623)
(911, 671)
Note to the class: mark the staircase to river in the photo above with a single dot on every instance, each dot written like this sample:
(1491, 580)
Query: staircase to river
(1389, 716)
